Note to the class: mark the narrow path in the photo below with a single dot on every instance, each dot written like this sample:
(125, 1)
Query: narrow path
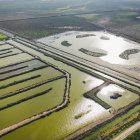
(129, 131)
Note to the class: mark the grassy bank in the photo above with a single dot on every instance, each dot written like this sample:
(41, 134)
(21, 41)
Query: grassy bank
(115, 127)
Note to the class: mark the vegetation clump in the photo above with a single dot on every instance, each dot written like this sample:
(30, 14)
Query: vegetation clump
(95, 54)
(126, 53)
(105, 38)
(135, 135)
(119, 124)
(81, 114)
(85, 35)
(66, 43)
(3, 37)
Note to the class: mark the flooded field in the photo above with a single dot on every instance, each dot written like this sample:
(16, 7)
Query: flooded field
(103, 48)
(4, 47)
(33, 106)
(116, 96)
(14, 59)
(79, 112)
(40, 75)
(91, 111)
(28, 86)
(19, 69)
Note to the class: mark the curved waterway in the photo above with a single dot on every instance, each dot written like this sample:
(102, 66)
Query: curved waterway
(62, 123)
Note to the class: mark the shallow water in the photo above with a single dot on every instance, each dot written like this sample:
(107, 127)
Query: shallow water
(127, 96)
(113, 46)
(62, 123)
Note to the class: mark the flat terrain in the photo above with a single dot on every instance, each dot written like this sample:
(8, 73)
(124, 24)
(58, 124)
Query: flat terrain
(40, 27)
(128, 131)
(125, 23)
(135, 135)
(32, 84)
(43, 89)
(2, 36)
(116, 126)
(69, 69)
(126, 98)
(25, 83)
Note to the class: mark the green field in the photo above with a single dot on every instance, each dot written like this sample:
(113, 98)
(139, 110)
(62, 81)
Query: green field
(28, 85)
(135, 135)
(122, 23)
(116, 126)
(29, 97)
(33, 106)
(78, 104)
(41, 27)
(83, 85)
(45, 74)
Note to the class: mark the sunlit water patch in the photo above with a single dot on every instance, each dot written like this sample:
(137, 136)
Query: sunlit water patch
(98, 47)
(116, 96)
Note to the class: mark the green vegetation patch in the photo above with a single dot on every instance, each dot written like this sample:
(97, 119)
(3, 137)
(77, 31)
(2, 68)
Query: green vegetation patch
(32, 102)
(134, 136)
(66, 44)
(127, 53)
(116, 126)
(81, 114)
(94, 54)
(10, 86)
(85, 35)
(41, 27)
(3, 37)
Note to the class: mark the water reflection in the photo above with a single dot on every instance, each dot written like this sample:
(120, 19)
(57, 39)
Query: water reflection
(92, 82)
(111, 44)
(111, 89)
(125, 97)
(89, 110)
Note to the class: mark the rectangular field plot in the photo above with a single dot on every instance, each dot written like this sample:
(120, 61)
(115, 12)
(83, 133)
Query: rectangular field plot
(14, 59)
(35, 105)
(10, 52)
(17, 69)
(4, 47)
(117, 97)
(27, 80)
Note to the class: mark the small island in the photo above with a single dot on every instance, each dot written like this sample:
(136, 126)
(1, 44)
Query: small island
(95, 54)
(104, 38)
(85, 35)
(66, 43)
(81, 114)
(125, 54)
